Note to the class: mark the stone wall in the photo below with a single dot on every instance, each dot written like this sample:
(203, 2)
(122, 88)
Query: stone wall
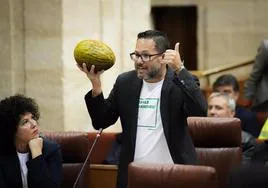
(229, 31)
(12, 70)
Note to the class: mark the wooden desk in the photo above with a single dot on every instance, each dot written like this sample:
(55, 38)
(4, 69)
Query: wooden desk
(102, 176)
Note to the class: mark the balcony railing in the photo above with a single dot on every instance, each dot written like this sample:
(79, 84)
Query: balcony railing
(209, 72)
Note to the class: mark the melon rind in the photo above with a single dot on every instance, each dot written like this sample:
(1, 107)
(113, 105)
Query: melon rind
(94, 52)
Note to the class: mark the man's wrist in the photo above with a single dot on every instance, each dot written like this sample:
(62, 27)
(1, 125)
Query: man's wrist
(96, 92)
(177, 71)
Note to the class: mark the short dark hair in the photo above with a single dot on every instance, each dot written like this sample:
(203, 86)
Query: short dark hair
(226, 80)
(11, 109)
(160, 38)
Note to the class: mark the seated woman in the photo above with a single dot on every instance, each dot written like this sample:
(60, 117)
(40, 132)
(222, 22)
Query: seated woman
(26, 159)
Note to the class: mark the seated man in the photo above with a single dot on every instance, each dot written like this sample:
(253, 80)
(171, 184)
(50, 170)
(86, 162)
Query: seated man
(228, 84)
(221, 105)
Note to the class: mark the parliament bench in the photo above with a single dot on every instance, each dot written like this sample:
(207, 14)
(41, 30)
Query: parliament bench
(217, 142)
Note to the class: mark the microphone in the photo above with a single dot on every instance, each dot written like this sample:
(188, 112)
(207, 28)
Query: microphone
(88, 155)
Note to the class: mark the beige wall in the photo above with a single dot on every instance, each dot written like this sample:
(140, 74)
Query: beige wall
(38, 37)
(105, 20)
(12, 70)
(229, 31)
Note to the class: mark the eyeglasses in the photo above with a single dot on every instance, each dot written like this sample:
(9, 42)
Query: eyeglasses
(28, 122)
(144, 57)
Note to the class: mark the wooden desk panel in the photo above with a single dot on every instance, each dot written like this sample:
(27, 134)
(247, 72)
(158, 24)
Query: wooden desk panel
(102, 176)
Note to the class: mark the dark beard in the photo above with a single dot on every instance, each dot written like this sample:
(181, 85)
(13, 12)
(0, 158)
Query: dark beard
(153, 74)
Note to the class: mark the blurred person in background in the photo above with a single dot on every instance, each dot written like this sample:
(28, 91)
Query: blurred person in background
(222, 105)
(228, 84)
(248, 176)
(256, 87)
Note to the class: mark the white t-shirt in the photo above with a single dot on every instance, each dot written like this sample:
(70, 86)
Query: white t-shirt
(23, 157)
(151, 144)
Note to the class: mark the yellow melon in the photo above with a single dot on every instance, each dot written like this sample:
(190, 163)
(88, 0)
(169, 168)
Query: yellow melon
(94, 52)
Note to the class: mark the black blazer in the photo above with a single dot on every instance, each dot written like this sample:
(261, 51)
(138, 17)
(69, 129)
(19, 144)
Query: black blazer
(180, 97)
(43, 172)
(256, 86)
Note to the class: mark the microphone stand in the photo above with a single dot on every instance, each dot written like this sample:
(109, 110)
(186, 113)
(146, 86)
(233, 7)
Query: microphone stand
(88, 155)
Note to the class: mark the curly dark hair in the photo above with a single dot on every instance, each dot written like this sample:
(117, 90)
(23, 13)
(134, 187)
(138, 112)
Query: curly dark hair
(11, 110)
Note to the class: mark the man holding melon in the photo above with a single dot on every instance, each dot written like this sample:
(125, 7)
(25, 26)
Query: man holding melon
(153, 103)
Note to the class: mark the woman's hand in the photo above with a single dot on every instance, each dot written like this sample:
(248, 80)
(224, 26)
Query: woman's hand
(36, 146)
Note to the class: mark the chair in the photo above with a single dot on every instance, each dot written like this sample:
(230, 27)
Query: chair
(141, 175)
(74, 149)
(218, 143)
(98, 168)
(102, 147)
